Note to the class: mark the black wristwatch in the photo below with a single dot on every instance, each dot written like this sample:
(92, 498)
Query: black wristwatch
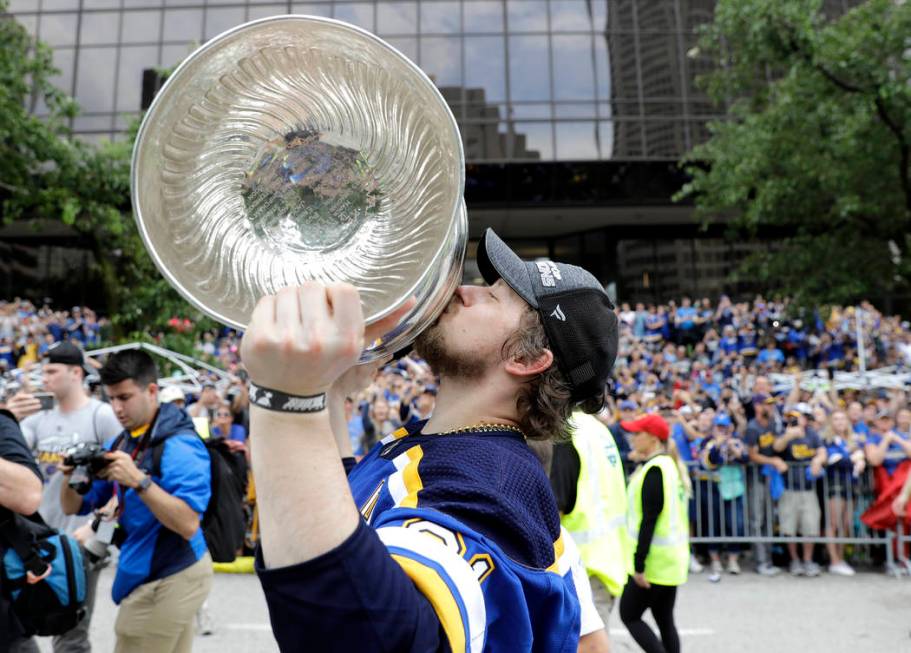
(144, 484)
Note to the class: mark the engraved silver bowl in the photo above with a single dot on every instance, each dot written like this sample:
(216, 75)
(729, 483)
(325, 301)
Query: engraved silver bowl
(299, 148)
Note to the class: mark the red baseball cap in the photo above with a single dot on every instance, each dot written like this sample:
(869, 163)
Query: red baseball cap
(652, 424)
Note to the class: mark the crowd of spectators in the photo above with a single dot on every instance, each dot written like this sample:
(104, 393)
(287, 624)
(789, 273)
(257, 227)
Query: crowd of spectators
(27, 331)
(776, 441)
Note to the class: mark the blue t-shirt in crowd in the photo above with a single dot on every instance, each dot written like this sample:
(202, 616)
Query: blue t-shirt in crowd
(894, 454)
(55, 330)
(770, 356)
(687, 314)
(839, 466)
(730, 344)
(7, 354)
(654, 324)
(356, 434)
(238, 432)
(682, 442)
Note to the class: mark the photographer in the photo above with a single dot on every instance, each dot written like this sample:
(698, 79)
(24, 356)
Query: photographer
(165, 572)
(798, 508)
(74, 419)
(20, 492)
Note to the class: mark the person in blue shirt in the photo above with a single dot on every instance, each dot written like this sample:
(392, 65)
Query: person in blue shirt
(655, 322)
(685, 321)
(223, 425)
(770, 355)
(856, 417)
(886, 446)
(445, 536)
(729, 343)
(164, 571)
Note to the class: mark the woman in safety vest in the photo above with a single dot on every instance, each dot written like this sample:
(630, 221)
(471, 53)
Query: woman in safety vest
(657, 527)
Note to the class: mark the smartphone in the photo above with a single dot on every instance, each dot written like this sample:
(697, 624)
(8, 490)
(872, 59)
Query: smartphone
(46, 399)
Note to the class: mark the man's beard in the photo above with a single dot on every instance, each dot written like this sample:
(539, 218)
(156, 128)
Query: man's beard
(432, 347)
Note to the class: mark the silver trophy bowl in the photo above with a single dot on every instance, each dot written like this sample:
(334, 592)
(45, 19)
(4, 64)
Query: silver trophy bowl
(297, 148)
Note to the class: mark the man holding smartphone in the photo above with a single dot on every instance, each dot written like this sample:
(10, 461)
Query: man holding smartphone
(73, 418)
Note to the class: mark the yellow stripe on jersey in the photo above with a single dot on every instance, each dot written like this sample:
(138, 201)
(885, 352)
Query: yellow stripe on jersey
(400, 433)
(559, 546)
(411, 478)
(435, 589)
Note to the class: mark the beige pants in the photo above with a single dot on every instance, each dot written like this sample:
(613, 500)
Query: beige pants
(157, 617)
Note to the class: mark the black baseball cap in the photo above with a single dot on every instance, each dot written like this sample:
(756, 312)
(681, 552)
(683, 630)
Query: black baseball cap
(577, 314)
(66, 353)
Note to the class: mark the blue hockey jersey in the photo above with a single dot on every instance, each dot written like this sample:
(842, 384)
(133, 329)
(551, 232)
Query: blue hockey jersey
(471, 520)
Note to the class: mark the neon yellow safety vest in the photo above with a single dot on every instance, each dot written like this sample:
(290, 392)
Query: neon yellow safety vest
(599, 514)
(669, 554)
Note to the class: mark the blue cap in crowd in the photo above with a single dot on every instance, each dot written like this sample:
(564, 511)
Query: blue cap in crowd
(628, 404)
(722, 419)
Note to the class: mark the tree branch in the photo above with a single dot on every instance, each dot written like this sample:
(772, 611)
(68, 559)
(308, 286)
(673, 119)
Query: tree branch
(904, 164)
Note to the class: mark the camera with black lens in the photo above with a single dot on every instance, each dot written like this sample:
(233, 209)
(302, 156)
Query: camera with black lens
(793, 421)
(86, 459)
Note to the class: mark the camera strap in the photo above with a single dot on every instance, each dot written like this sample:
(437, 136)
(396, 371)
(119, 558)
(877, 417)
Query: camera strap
(138, 450)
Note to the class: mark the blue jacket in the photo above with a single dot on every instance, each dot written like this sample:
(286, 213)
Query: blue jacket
(151, 552)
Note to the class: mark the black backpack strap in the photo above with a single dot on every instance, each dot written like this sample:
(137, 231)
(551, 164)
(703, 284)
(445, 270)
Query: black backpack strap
(15, 536)
(157, 454)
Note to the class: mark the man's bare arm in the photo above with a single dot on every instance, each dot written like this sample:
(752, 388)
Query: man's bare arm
(301, 341)
(20, 488)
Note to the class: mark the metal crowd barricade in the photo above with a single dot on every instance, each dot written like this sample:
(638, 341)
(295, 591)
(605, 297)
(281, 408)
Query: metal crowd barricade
(903, 538)
(753, 517)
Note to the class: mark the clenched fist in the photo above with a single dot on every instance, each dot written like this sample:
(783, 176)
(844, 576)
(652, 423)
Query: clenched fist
(300, 340)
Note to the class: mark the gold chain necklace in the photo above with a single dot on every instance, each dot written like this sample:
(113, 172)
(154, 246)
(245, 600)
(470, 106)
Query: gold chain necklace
(484, 428)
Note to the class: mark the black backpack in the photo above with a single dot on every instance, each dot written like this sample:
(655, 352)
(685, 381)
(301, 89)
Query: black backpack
(223, 523)
(55, 604)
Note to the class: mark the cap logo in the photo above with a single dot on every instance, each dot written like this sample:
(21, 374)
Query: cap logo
(558, 313)
(549, 272)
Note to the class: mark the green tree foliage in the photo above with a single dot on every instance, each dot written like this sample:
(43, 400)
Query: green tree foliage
(47, 174)
(817, 144)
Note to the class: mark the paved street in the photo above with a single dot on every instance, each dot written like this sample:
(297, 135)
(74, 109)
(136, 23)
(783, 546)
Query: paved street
(748, 614)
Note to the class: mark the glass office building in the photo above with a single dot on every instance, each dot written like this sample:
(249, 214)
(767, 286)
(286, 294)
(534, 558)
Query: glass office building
(573, 112)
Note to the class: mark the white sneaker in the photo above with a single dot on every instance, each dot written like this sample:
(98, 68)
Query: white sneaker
(896, 570)
(796, 568)
(695, 566)
(733, 567)
(768, 570)
(841, 569)
(811, 569)
(715, 572)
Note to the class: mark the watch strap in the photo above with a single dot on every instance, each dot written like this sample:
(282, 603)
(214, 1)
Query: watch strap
(144, 484)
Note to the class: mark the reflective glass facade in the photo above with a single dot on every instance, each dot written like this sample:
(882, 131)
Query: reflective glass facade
(528, 80)
(573, 115)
